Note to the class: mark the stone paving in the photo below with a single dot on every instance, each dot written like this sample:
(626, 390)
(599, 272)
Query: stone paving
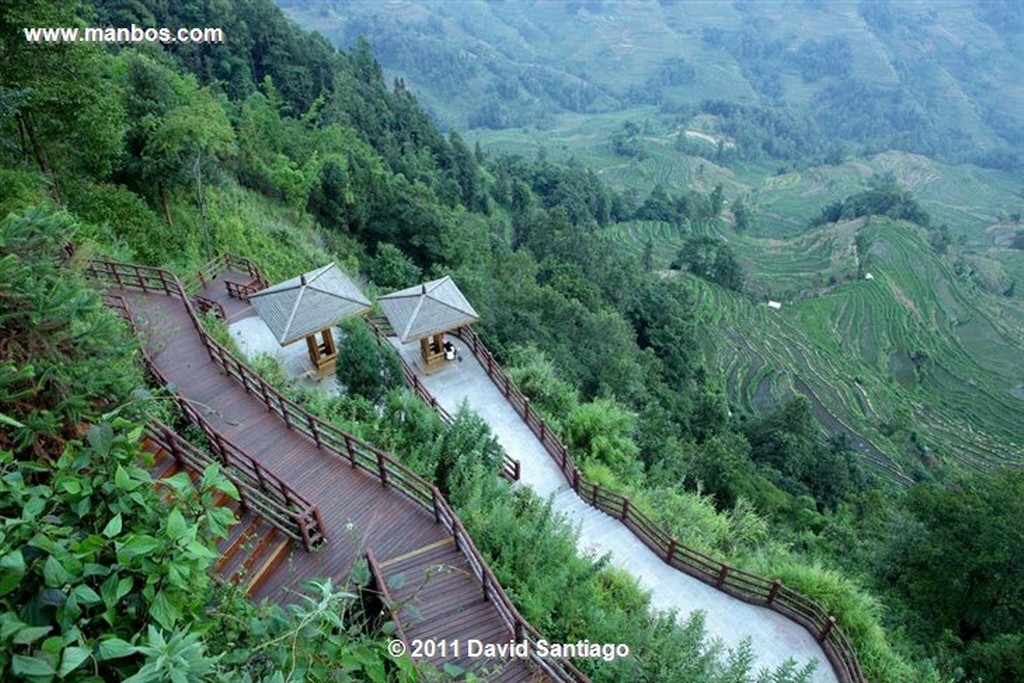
(774, 638)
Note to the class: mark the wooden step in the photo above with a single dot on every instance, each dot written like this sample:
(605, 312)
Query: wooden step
(268, 538)
(273, 556)
(246, 531)
(165, 467)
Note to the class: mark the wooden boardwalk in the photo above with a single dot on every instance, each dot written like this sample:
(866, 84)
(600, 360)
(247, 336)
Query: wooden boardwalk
(435, 577)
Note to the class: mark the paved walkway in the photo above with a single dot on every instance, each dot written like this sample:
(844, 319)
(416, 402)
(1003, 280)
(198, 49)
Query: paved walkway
(775, 638)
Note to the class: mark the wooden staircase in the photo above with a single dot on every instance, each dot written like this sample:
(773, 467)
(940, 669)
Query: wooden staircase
(253, 549)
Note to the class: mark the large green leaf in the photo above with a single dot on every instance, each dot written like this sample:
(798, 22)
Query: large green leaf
(164, 611)
(135, 546)
(31, 634)
(12, 569)
(113, 527)
(54, 573)
(101, 438)
(32, 666)
(72, 658)
(115, 648)
(176, 525)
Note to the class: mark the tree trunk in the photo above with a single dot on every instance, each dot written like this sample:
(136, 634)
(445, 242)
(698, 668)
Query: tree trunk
(37, 149)
(197, 169)
(162, 191)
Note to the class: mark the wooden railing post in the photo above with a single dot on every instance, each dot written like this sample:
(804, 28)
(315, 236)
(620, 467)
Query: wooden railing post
(596, 490)
(222, 453)
(526, 407)
(518, 469)
(433, 500)
(576, 480)
(723, 574)
(175, 449)
(351, 450)
(259, 476)
(284, 411)
(382, 469)
(320, 524)
(774, 593)
(671, 554)
(826, 630)
(625, 509)
(314, 428)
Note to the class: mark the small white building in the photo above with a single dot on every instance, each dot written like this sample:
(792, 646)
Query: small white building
(775, 305)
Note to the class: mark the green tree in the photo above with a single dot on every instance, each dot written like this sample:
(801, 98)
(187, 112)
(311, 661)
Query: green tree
(197, 133)
(390, 269)
(58, 105)
(365, 368)
(712, 259)
(961, 567)
(602, 431)
(743, 215)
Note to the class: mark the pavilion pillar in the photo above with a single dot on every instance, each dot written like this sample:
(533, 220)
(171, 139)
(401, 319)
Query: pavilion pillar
(322, 353)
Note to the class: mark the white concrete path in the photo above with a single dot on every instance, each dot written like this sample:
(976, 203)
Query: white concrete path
(774, 638)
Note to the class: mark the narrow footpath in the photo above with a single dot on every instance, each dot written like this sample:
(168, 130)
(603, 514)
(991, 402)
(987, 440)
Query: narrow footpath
(774, 638)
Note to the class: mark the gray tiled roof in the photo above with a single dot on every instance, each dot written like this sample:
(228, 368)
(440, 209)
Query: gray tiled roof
(303, 305)
(430, 308)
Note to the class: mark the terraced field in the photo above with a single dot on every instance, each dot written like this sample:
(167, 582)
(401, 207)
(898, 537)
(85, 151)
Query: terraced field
(920, 365)
(914, 350)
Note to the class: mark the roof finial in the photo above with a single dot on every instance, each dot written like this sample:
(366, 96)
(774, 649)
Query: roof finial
(302, 279)
(424, 286)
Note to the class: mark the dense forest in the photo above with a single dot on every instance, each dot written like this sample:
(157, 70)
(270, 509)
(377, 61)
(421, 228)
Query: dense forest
(278, 147)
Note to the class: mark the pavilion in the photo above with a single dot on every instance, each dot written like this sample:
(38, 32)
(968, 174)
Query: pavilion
(425, 312)
(309, 306)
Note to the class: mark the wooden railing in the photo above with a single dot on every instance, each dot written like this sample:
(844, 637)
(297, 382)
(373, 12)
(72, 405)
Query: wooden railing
(511, 468)
(379, 586)
(346, 448)
(294, 524)
(274, 499)
(208, 272)
(736, 582)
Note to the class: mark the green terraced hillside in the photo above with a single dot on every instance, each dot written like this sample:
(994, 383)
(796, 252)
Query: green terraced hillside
(919, 365)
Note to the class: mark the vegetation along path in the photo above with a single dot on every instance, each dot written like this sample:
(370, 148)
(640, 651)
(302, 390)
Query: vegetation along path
(442, 588)
(774, 638)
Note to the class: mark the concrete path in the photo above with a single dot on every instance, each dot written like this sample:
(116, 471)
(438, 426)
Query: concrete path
(774, 638)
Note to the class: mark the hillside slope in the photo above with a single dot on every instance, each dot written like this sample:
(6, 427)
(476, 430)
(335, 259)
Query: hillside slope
(928, 77)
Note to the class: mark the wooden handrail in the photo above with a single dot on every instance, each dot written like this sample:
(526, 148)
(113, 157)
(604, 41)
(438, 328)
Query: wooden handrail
(347, 448)
(288, 521)
(736, 582)
(257, 477)
(380, 587)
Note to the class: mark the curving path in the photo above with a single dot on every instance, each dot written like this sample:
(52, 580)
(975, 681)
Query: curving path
(424, 562)
(774, 638)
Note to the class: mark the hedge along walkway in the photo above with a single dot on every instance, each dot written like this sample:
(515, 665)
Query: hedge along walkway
(774, 638)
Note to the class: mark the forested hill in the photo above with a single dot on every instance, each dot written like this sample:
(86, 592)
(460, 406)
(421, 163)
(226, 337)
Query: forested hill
(937, 78)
